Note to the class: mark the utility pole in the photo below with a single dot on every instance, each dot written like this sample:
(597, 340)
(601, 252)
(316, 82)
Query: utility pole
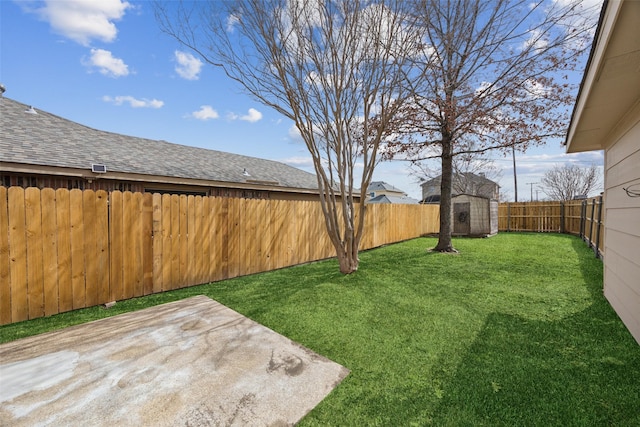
(531, 184)
(515, 176)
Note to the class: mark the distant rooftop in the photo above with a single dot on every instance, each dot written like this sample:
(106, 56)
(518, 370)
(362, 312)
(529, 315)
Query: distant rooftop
(383, 186)
(35, 137)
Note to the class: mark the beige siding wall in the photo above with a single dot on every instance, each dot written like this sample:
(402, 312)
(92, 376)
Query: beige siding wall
(622, 223)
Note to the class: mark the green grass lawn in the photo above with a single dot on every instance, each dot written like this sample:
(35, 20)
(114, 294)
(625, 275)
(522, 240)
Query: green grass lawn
(513, 331)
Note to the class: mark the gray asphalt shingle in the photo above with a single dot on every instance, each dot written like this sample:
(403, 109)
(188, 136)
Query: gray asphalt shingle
(48, 140)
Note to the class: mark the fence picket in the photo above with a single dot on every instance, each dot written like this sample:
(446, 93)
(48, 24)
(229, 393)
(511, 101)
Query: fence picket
(77, 249)
(5, 265)
(63, 238)
(90, 260)
(138, 282)
(191, 240)
(49, 252)
(18, 255)
(116, 246)
(175, 281)
(158, 239)
(146, 237)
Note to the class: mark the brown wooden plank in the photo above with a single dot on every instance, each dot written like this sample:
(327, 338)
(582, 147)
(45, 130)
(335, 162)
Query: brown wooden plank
(18, 255)
(166, 242)
(49, 251)
(223, 237)
(128, 250)
(304, 234)
(199, 242)
(191, 241)
(206, 239)
(5, 264)
(246, 239)
(275, 243)
(234, 223)
(116, 246)
(158, 237)
(215, 239)
(138, 289)
(264, 235)
(102, 247)
(77, 249)
(175, 242)
(63, 237)
(147, 243)
(35, 274)
(90, 253)
(184, 241)
(291, 233)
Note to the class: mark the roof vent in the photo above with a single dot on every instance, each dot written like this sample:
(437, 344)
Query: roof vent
(2, 89)
(97, 168)
(245, 172)
(31, 110)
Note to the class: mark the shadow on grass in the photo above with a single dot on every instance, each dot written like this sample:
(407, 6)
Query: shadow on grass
(582, 370)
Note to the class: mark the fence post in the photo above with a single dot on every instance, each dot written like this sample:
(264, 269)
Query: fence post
(593, 211)
(583, 214)
(597, 247)
(508, 217)
(562, 217)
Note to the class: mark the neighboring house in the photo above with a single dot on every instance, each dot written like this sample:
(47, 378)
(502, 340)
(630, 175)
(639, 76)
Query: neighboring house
(39, 149)
(463, 183)
(381, 192)
(607, 117)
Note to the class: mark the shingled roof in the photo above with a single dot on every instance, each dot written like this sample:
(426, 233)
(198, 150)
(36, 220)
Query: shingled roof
(35, 137)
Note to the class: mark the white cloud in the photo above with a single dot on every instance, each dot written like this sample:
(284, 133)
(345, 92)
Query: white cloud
(189, 66)
(232, 21)
(83, 20)
(206, 112)
(536, 41)
(298, 161)
(107, 64)
(252, 116)
(133, 102)
(536, 89)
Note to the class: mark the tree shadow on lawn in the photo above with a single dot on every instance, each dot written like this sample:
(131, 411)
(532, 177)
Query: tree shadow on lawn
(581, 370)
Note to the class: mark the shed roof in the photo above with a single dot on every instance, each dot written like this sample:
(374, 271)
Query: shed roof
(44, 139)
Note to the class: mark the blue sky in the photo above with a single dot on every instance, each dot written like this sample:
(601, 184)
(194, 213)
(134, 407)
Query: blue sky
(107, 65)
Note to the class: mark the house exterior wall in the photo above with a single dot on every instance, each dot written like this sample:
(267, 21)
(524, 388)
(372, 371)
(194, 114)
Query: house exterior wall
(622, 223)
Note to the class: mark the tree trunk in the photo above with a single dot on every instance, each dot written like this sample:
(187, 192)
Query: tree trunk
(446, 179)
(348, 262)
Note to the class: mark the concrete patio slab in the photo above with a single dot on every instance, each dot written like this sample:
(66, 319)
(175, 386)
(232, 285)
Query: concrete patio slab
(192, 362)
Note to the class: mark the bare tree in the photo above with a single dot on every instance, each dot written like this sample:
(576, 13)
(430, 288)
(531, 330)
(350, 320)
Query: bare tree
(568, 181)
(333, 67)
(494, 77)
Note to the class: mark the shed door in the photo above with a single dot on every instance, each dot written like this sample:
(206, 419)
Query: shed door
(461, 218)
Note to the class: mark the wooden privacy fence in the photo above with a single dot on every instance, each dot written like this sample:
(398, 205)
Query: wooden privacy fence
(580, 217)
(62, 249)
